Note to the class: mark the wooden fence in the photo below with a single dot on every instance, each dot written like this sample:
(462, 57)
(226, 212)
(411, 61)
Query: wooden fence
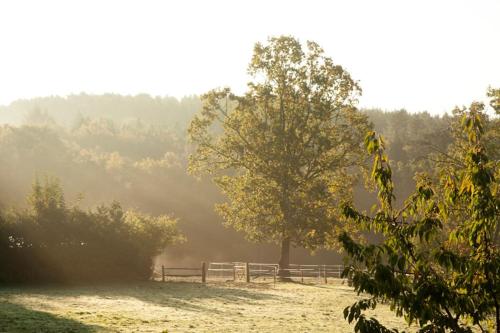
(321, 272)
(241, 271)
(250, 271)
(184, 272)
(245, 271)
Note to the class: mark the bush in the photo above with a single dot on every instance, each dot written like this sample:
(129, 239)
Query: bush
(50, 242)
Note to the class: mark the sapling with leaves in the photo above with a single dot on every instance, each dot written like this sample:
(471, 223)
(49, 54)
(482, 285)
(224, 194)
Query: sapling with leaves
(438, 265)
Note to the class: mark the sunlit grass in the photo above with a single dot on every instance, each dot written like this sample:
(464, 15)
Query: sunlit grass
(181, 307)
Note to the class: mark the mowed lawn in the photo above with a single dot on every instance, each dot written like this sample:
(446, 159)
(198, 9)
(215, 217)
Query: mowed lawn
(181, 307)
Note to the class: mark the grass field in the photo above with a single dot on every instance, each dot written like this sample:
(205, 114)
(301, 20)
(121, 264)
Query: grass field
(180, 307)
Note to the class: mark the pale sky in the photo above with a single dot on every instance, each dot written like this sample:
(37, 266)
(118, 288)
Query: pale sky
(418, 55)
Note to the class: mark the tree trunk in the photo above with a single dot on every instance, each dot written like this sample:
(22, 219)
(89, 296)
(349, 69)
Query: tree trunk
(285, 258)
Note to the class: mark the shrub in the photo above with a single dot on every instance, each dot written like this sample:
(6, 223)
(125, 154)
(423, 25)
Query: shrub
(50, 242)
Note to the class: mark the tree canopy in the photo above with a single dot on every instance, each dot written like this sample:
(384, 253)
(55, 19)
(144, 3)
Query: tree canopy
(439, 262)
(285, 152)
(101, 147)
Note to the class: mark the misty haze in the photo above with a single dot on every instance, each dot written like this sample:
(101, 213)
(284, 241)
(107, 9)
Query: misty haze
(249, 167)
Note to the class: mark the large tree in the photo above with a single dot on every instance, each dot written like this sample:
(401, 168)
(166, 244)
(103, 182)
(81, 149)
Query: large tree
(286, 151)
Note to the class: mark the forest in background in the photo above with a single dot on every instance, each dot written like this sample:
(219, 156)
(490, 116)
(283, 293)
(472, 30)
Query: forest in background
(134, 149)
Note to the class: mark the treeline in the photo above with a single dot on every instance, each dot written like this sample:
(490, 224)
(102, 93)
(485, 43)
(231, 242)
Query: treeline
(133, 149)
(51, 241)
(71, 110)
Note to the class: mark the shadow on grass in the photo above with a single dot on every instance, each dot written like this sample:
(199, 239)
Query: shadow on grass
(16, 318)
(181, 295)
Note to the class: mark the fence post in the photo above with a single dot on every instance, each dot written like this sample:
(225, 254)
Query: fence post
(274, 275)
(162, 273)
(247, 272)
(324, 271)
(203, 273)
(301, 274)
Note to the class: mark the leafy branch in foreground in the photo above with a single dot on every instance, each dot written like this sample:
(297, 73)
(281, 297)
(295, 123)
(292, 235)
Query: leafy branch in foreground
(438, 265)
